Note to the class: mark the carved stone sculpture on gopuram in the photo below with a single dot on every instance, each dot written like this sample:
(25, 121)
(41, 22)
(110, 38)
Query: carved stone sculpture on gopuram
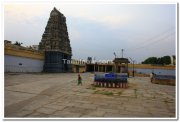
(55, 37)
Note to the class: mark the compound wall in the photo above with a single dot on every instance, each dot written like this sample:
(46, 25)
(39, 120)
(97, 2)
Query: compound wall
(21, 59)
(22, 64)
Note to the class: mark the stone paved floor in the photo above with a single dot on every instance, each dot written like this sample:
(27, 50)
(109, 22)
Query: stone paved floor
(57, 95)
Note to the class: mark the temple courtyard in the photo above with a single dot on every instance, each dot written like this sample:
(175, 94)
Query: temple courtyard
(58, 95)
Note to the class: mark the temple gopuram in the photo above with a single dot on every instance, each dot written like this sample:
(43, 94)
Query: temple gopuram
(56, 44)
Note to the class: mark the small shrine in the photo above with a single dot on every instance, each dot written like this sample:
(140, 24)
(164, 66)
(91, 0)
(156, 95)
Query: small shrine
(120, 65)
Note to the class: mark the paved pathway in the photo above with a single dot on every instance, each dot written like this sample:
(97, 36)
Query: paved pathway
(57, 95)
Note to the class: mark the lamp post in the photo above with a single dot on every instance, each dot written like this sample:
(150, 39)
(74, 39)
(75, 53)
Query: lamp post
(114, 63)
(133, 65)
(94, 64)
(115, 54)
(133, 68)
(122, 52)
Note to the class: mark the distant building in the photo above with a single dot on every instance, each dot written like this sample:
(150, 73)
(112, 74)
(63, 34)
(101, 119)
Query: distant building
(35, 47)
(121, 65)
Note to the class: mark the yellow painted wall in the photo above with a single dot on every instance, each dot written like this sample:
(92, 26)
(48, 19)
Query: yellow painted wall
(81, 68)
(14, 50)
(149, 66)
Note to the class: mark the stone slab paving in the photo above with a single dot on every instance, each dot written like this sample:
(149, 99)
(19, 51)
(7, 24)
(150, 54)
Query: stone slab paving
(57, 95)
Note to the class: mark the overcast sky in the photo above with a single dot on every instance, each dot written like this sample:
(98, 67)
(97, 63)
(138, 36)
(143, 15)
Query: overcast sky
(98, 30)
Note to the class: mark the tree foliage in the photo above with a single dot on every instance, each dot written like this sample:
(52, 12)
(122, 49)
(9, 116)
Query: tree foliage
(18, 43)
(161, 60)
(89, 60)
(150, 60)
(166, 59)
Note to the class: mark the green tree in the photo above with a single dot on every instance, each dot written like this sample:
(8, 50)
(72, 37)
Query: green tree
(89, 60)
(166, 60)
(18, 43)
(161, 60)
(150, 60)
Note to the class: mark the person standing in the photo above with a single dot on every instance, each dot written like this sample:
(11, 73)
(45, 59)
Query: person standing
(79, 80)
(151, 77)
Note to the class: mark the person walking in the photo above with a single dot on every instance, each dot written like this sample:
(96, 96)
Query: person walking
(79, 80)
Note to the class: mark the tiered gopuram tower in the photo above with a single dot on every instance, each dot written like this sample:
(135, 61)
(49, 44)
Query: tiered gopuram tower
(56, 44)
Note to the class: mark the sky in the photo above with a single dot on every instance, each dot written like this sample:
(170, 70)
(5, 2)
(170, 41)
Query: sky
(99, 30)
